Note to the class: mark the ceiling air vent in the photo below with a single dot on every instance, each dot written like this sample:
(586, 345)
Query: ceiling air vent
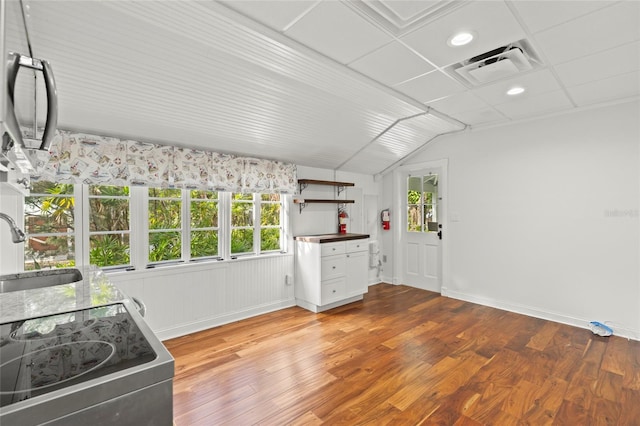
(496, 64)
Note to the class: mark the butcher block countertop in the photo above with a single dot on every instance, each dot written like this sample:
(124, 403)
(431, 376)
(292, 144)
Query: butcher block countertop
(330, 238)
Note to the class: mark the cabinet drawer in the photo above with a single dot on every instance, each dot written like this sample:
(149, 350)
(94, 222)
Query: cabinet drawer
(330, 249)
(358, 245)
(332, 266)
(332, 290)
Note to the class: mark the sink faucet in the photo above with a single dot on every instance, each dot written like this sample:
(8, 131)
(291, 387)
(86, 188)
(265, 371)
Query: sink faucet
(17, 236)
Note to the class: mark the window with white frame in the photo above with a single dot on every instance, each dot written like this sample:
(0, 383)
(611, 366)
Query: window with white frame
(69, 225)
(203, 211)
(271, 231)
(242, 223)
(165, 224)
(109, 226)
(50, 226)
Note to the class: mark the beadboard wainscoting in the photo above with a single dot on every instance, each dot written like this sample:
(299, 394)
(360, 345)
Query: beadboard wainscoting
(187, 298)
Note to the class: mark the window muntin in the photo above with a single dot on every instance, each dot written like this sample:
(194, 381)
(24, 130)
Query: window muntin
(49, 224)
(109, 226)
(165, 224)
(204, 217)
(242, 223)
(270, 222)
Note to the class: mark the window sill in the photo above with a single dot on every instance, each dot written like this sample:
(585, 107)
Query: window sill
(200, 264)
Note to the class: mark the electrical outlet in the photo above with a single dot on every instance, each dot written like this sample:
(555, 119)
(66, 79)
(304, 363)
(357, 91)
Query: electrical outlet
(384, 258)
(288, 279)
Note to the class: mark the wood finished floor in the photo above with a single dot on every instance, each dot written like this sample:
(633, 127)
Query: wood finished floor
(404, 356)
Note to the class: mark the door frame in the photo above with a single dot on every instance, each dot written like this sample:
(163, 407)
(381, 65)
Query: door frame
(399, 177)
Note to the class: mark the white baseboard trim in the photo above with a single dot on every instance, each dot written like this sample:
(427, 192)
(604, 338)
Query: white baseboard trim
(536, 313)
(206, 323)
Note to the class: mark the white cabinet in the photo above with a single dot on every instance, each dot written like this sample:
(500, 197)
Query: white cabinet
(330, 274)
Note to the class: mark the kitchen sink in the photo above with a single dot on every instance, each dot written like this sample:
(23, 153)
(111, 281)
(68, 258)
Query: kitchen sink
(38, 279)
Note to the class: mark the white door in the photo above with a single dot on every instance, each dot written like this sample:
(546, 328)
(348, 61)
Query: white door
(422, 229)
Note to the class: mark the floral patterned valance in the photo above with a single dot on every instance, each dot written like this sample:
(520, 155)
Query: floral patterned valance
(90, 159)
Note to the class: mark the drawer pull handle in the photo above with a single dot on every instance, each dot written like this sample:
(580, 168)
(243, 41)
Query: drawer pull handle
(334, 291)
(333, 267)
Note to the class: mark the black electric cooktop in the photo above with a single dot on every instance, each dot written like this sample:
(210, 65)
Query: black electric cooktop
(40, 355)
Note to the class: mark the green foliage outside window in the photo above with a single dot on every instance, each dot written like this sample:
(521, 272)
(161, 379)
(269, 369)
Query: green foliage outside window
(241, 223)
(270, 222)
(49, 223)
(414, 218)
(204, 223)
(165, 224)
(109, 216)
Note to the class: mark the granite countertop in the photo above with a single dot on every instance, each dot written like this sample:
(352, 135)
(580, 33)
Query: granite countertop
(95, 289)
(330, 238)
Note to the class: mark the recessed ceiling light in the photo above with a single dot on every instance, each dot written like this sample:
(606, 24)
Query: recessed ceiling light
(460, 39)
(515, 91)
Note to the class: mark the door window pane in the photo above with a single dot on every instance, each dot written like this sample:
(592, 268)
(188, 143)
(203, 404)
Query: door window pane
(422, 203)
(414, 204)
(430, 200)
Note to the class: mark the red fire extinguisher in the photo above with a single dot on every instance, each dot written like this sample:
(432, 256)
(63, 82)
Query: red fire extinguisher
(386, 221)
(342, 220)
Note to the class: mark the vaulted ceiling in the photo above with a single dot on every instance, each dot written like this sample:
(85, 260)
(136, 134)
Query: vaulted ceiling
(351, 85)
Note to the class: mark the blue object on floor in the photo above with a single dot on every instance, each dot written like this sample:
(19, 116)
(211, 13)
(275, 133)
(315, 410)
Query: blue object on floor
(600, 329)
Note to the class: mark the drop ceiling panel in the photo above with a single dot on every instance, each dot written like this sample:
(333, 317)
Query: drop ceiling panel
(492, 21)
(605, 64)
(465, 101)
(592, 33)
(407, 9)
(609, 89)
(480, 116)
(540, 15)
(338, 32)
(535, 105)
(430, 87)
(534, 83)
(392, 64)
(274, 14)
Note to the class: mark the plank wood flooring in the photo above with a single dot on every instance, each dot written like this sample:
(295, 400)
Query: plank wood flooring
(404, 356)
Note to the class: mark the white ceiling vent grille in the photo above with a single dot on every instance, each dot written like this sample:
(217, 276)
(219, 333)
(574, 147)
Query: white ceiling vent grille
(497, 64)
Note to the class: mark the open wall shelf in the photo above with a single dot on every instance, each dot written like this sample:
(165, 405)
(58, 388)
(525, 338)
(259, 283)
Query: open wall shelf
(303, 183)
(303, 203)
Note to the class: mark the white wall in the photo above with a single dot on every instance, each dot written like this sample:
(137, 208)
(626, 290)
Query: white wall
(547, 216)
(189, 298)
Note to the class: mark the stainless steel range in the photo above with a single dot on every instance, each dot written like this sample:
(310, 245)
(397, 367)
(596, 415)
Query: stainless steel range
(100, 365)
